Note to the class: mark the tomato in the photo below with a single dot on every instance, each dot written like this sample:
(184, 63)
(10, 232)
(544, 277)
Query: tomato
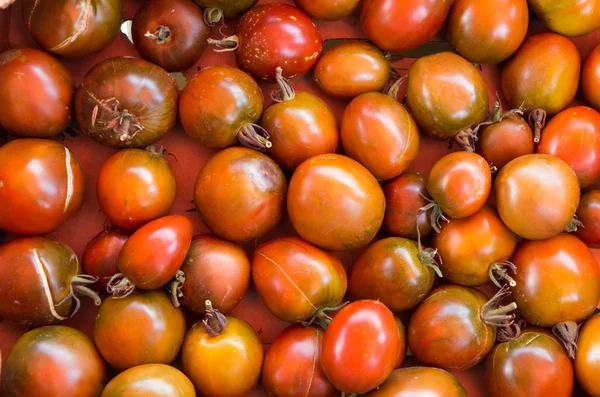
(228, 341)
(226, 8)
(420, 381)
(84, 28)
(380, 133)
(251, 204)
(352, 68)
(328, 10)
(505, 140)
(126, 102)
(142, 328)
(568, 17)
(533, 364)
(589, 216)
(557, 280)
(400, 26)
(100, 256)
(335, 203)
(171, 34)
(36, 95)
(402, 346)
(297, 280)
(134, 187)
(537, 195)
(150, 380)
(395, 271)
(360, 346)
(220, 105)
(447, 96)
(590, 78)
(41, 186)
(291, 366)
(586, 360)
(53, 361)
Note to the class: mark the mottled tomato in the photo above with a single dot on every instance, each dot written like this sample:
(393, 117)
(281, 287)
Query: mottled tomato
(364, 337)
(53, 361)
(84, 27)
(100, 256)
(568, 17)
(590, 78)
(291, 366)
(297, 280)
(226, 8)
(503, 141)
(588, 214)
(537, 195)
(150, 380)
(142, 328)
(239, 194)
(352, 68)
(171, 34)
(328, 10)
(420, 381)
(400, 26)
(587, 366)
(335, 203)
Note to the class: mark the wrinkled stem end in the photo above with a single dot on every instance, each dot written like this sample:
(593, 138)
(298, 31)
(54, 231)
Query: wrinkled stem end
(119, 286)
(322, 318)
(511, 331)
(429, 256)
(498, 273)
(495, 315)
(284, 92)
(162, 34)
(568, 333)
(573, 225)
(215, 321)
(394, 88)
(212, 16)
(226, 44)
(255, 137)
(537, 121)
(467, 137)
(437, 215)
(176, 287)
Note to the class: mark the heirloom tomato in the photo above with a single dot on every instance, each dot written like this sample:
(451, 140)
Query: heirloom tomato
(150, 380)
(568, 17)
(588, 214)
(328, 10)
(100, 256)
(590, 78)
(505, 140)
(215, 10)
(420, 381)
(587, 366)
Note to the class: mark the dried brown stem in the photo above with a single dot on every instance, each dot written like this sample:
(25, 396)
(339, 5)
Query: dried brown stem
(255, 137)
(212, 16)
(162, 34)
(568, 333)
(537, 121)
(226, 44)
(284, 92)
(214, 322)
(495, 315)
(499, 271)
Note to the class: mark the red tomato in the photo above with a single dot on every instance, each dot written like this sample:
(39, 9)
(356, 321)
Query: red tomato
(100, 256)
(590, 78)
(568, 17)
(587, 366)
(402, 349)
(226, 8)
(588, 214)
(328, 10)
(505, 140)
(360, 347)
(150, 380)
(420, 381)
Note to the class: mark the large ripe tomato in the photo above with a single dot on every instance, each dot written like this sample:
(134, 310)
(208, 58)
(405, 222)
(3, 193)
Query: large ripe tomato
(219, 106)
(335, 203)
(590, 78)
(101, 254)
(352, 68)
(53, 361)
(126, 102)
(505, 140)
(150, 380)
(379, 132)
(36, 94)
(142, 328)
(537, 195)
(171, 34)
(252, 200)
(588, 214)
(568, 17)
(360, 346)
(328, 10)
(291, 366)
(400, 26)
(420, 381)
(587, 366)
(226, 8)
(297, 280)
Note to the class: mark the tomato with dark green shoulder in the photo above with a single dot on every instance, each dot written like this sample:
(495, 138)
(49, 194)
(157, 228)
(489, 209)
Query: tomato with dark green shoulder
(568, 17)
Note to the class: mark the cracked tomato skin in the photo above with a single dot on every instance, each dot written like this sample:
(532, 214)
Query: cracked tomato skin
(420, 381)
(588, 213)
(150, 380)
(587, 365)
(328, 10)
(590, 78)
(568, 17)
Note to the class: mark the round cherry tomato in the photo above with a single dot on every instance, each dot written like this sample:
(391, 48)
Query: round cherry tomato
(283, 376)
(250, 203)
(328, 10)
(590, 78)
(420, 381)
(537, 195)
(297, 280)
(219, 106)
(505, 140)
(487, 32)
(587, 366)
(360, 346)
(400, 26)
(171, 34)
(150, 380)
(36, 94)
(570, 17)
(335, 203)
(100, 256)
(557, 280)
(588, 214)
(53, 361)
(84, 27)
(126, 102)
(380, 133)
(227, 8)
(350, 69)
(142, 328)
(41, 186)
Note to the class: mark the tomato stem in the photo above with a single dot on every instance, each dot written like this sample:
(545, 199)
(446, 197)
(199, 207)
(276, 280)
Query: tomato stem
(537, 121)
(255, 137)
(467, 137)
(212, 15)
(568, 333)
(285, 92)
(573, 225)
(226, 44)
(429, 256)
(123, 123)
(511, 331)
(162, 34)
(119, 286)
(215, 322)
(437, 214)
(498, 271)
(395, 87)
(495, 315)
(176, 286)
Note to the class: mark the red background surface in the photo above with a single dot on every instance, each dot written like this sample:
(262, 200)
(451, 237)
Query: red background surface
(191, 157)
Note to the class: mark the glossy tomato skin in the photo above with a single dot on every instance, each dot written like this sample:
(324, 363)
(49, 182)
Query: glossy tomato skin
(446, 94)
(183, 45)
(283, 376)
(533, 364)
(570, 18)
(328, 10)
(558, 280)
(296, 279)
(126, 102)
(364, 337)
(141, 328)
(402, 345)
(84, 28)
(390, 271)
(150, 380)
(247, 207)
(537, 195)
(277, 35)
(41, 186)
(590, 78)
(588, 213)
(485, 32)
(400, 26)
(217, 103)
(230, 8)
(504, 141)
(352, 68)
(379, 132)
(542, 74)
(335, 203)
(101, 254)
(36, 95)
(446, 329)
(420, 381)
(586, 360)
(54, 361)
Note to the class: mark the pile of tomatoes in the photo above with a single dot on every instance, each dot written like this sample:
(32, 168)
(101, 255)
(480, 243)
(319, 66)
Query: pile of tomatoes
(487, 261)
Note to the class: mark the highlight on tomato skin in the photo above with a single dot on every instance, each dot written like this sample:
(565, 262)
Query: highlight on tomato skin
(429, 381)
(143, 380)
